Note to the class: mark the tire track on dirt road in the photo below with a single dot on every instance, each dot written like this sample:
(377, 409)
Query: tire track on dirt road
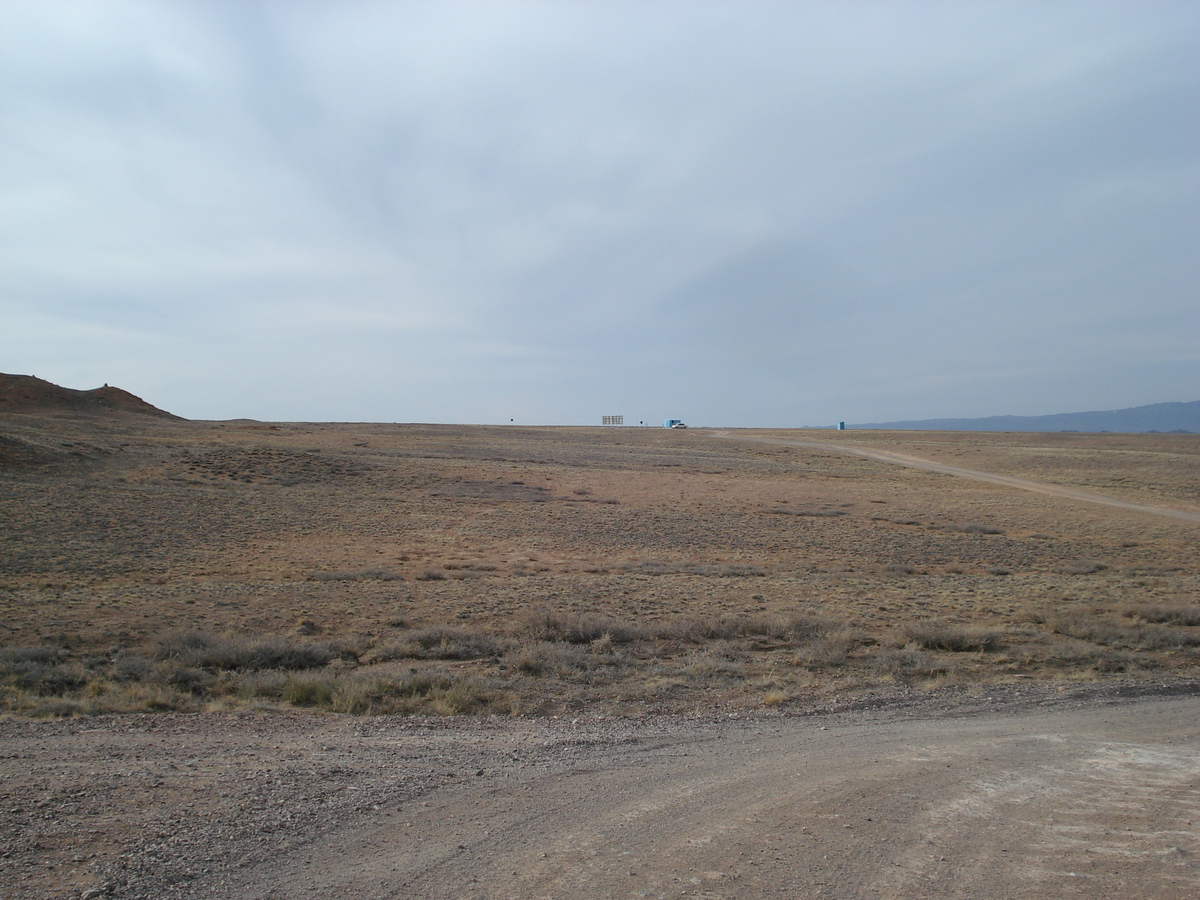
(1101, 801)
(1013, 481)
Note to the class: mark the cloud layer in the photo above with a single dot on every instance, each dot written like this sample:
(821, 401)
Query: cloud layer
(740, 214)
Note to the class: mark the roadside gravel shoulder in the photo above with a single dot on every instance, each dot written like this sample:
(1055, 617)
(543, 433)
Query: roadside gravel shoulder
(204, 805)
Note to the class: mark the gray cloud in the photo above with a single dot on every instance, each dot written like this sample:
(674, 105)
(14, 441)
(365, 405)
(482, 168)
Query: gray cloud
(766, 214)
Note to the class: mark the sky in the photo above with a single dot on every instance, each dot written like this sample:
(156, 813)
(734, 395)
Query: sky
(739, 214)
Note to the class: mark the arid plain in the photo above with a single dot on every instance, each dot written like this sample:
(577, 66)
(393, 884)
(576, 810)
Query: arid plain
(158, 564)
(694, 663)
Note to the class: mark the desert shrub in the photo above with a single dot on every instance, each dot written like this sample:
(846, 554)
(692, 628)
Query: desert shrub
(718, 660)
(831, 648)
(129, 666)
(199, 649)
(266, 684)
(603, 645)
(44, 671)
(464, 696)
(1081, 568)
(52, 707)
(567, 662)
(976, 528)
(719, 570)
(308, 690)
(953, 638)
(905, 663)
(379, 694)
(1148, 571)
(791, 631)
(546, 625)
(732, 570)
(1000, 571)
(1128, 636)
(442, 643)
(431, 692)
(1187, 615)
(364, 575)
(1113, 661)
(900, 570)
(188, 679)
(809, 513)
(15, 656)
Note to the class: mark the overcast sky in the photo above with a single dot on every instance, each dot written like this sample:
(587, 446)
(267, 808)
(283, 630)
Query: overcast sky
(760, 214)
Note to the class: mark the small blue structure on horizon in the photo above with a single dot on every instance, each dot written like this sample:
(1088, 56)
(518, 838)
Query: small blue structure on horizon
(671, 423)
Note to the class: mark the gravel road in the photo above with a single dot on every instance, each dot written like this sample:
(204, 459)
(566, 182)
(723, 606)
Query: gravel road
(1032, 791)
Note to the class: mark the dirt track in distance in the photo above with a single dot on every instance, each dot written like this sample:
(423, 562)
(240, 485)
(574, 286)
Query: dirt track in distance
(1024, 484)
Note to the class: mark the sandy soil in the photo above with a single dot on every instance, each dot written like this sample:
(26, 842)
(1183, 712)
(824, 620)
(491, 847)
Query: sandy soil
(1029, 792)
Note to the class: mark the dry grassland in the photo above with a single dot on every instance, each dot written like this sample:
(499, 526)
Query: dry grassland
(362, 568)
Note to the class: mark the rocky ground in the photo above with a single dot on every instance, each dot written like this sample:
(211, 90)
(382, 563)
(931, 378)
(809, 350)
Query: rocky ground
(1019, 791)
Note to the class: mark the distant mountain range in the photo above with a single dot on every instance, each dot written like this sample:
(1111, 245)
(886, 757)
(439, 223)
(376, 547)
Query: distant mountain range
(29, 394)
(1161, 417)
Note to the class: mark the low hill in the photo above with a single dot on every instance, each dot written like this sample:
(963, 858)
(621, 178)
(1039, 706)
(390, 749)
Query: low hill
(1160, 417)
(29, 394)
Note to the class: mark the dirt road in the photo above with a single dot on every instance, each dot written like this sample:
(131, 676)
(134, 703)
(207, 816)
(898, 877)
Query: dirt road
(1032, 792)
(1024, 484)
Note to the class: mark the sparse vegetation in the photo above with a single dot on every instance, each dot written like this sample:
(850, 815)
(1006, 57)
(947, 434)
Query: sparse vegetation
(436, 569)
(1081, 568)
(975, 528)
(952, 638)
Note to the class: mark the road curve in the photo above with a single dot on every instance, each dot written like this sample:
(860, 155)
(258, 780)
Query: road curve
(1024, 484)
(1101, 801)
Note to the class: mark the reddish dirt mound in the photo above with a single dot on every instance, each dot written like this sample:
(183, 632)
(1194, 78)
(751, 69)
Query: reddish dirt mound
(26, 393)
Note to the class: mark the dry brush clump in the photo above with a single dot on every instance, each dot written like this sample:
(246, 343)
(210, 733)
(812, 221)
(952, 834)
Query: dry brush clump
(205, 650)
(1087, 567)
(976, 528)
(1184, 614)
(555, 627)
(787, 631)
(562, 662)
(907, 664)
(1127, 635)
(719, 570)
(951, 638)
(364, 575)
(441, 643)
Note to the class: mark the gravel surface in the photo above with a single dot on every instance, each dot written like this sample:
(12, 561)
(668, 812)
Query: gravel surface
(1029, 791)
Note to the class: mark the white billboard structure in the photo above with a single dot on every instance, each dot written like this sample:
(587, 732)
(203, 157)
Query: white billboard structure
(614, 420)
